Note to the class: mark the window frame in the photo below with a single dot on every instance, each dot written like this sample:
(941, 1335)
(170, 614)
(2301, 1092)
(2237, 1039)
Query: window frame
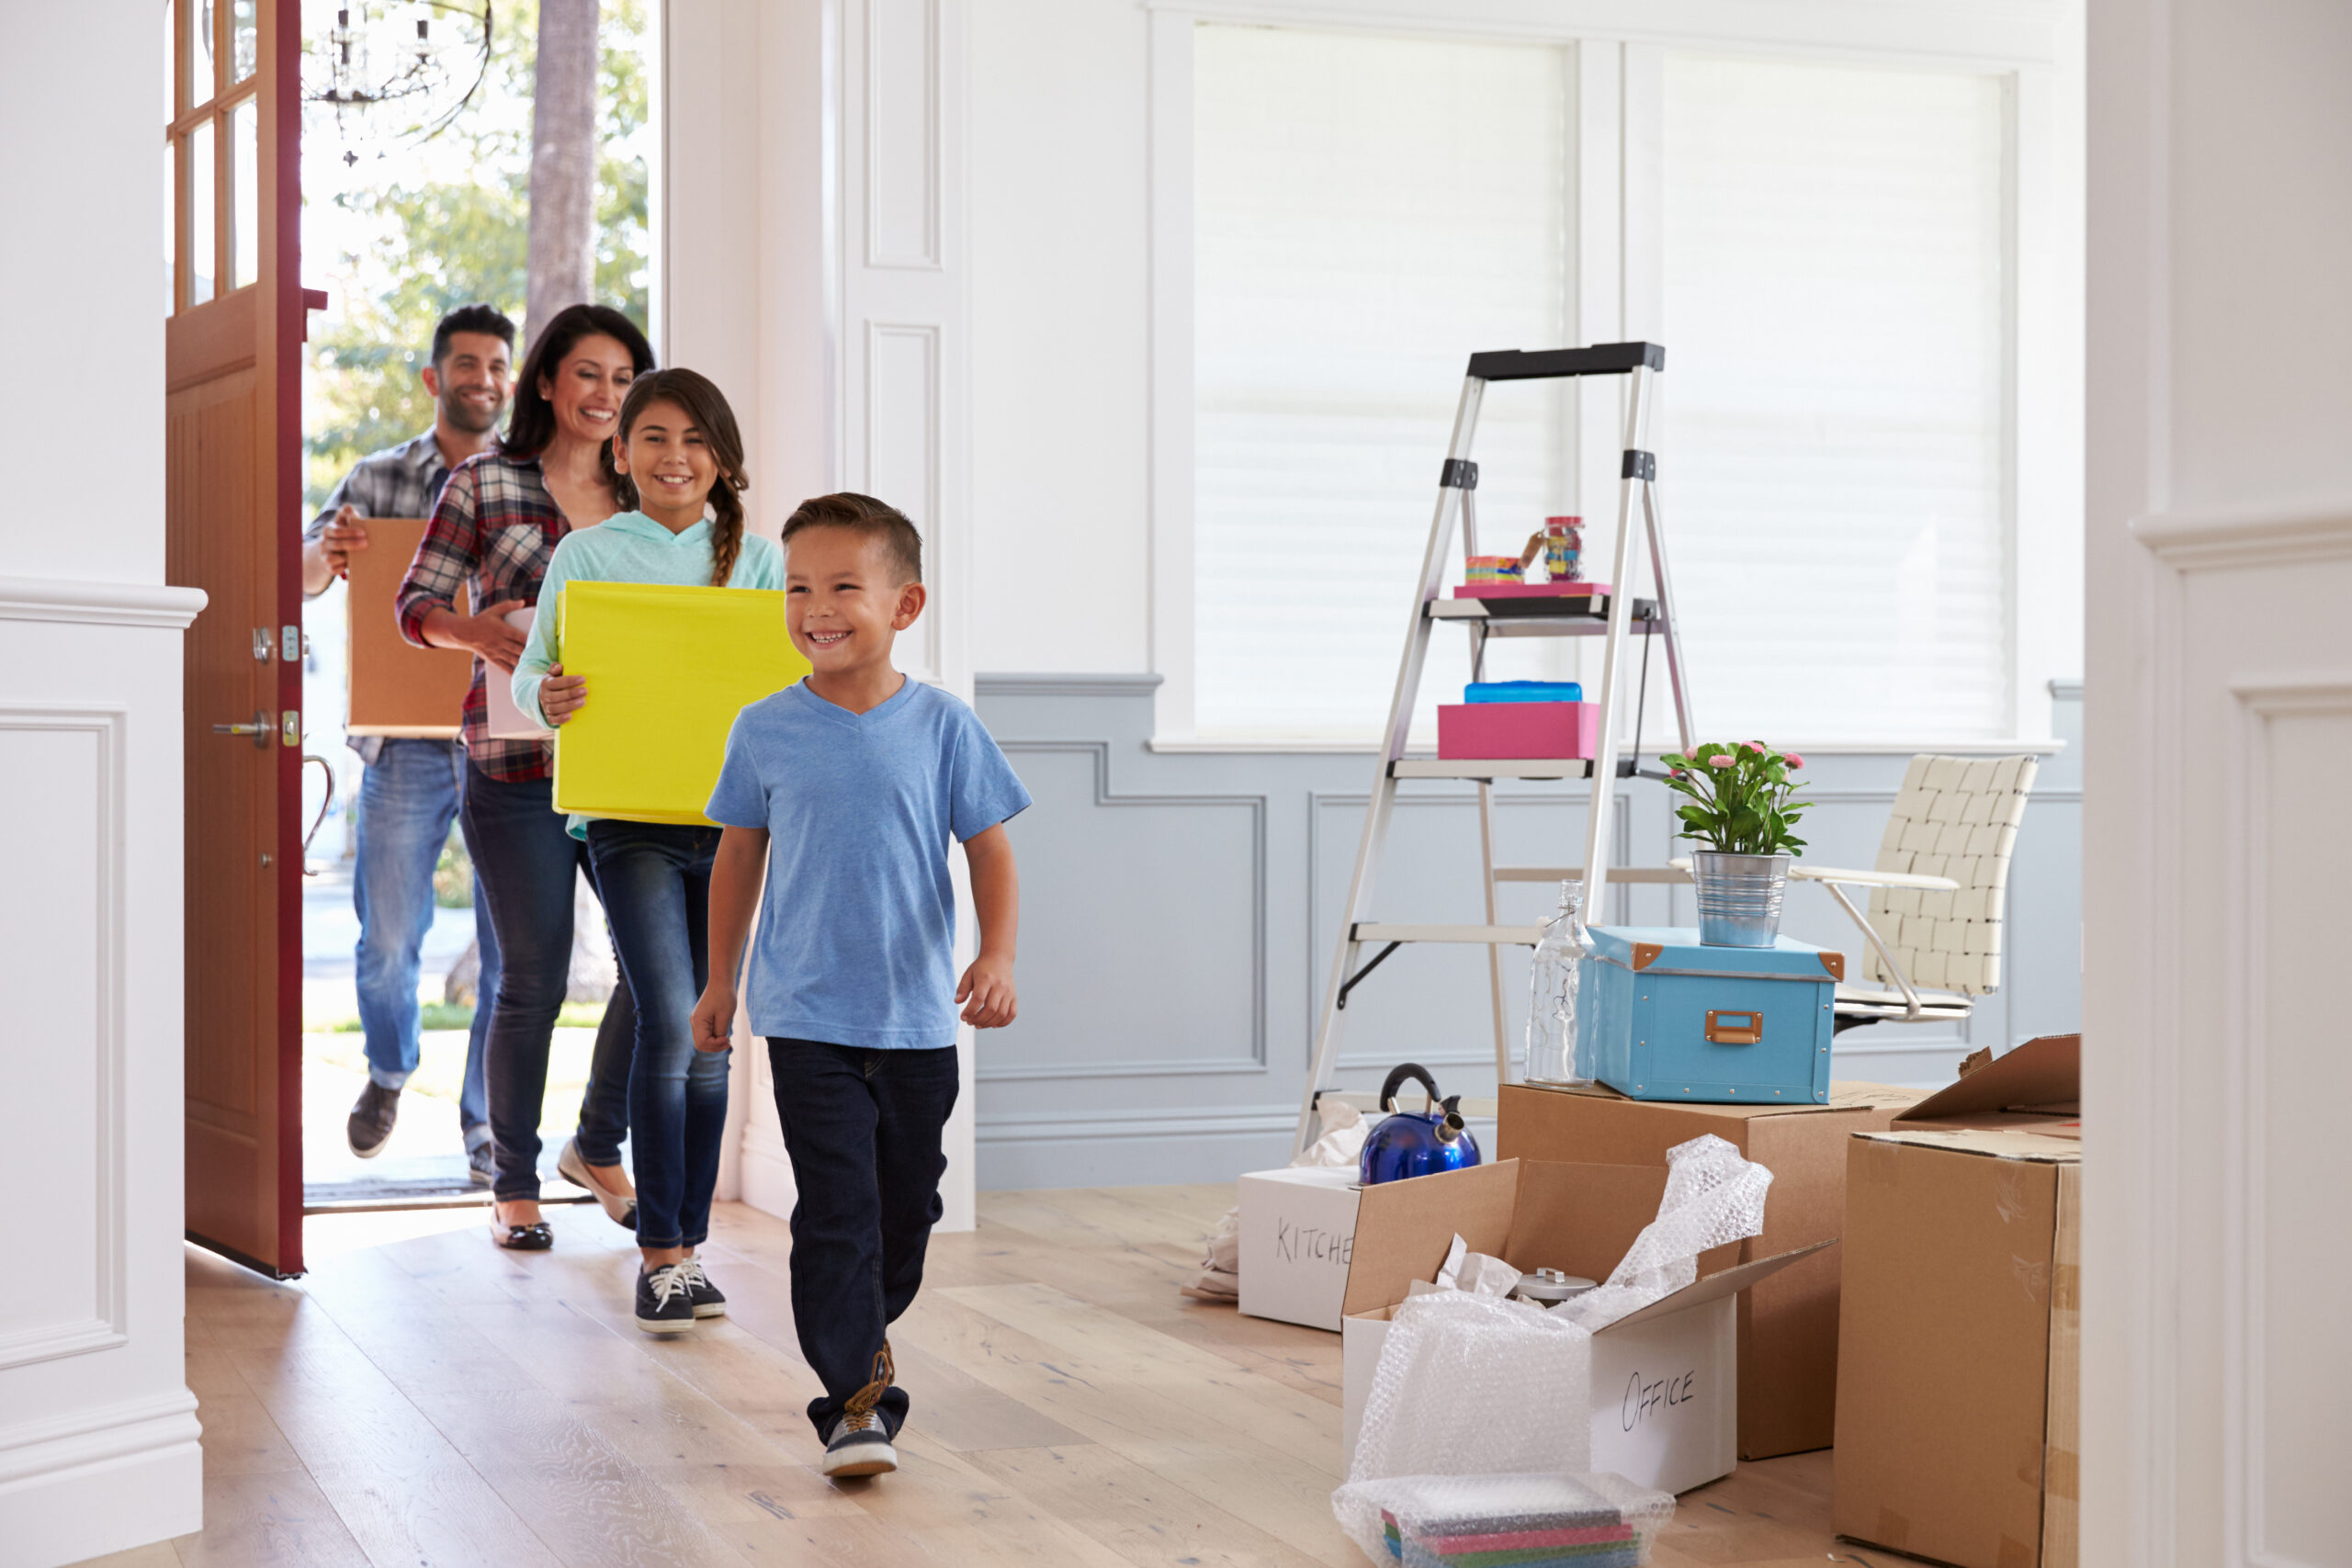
(1618, 50)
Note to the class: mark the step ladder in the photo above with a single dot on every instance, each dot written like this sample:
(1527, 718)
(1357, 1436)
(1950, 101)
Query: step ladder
(1612, 617)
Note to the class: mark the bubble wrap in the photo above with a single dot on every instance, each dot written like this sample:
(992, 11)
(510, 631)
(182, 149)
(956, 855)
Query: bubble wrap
(1538, 1519)
(1476, 1385)
(1713, 1197)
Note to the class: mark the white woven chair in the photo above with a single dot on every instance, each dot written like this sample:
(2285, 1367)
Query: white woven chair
(1937, 893)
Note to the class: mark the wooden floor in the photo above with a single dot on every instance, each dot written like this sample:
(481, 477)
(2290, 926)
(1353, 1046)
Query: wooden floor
(431, 1400)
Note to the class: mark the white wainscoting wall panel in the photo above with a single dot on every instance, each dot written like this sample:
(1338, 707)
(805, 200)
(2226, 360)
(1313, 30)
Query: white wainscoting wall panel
(97, 1431)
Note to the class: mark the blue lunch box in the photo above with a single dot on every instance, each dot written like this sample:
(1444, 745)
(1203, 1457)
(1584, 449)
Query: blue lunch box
(1661, 1017)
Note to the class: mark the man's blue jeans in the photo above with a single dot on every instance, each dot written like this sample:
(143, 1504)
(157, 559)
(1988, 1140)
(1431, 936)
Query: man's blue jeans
(407, 800)
(525, 866)
(656, 881)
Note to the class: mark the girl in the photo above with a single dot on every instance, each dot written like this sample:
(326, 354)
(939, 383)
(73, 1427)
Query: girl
(497, 522)
(676, 457)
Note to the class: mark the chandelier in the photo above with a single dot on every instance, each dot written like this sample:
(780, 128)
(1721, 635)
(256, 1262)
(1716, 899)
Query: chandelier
(399, 72)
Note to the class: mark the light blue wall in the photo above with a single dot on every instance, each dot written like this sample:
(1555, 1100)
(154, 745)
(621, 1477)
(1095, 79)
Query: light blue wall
(1178, 916)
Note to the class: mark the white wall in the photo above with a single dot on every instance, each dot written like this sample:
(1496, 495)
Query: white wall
(2216, 1374)
(98, 1441)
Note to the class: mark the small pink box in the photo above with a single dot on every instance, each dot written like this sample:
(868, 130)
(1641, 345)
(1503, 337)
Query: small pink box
(1486, 732)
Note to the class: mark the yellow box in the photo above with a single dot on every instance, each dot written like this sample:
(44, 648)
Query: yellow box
(667, 670)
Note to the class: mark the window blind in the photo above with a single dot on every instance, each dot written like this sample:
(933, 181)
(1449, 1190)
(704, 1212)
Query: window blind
(1368, 212)
(1832, 418)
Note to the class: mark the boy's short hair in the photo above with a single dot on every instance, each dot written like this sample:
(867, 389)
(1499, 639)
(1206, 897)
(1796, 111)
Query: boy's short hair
(863, 515)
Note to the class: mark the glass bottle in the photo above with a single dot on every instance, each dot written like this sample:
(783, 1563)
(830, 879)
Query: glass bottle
(1552, 1001)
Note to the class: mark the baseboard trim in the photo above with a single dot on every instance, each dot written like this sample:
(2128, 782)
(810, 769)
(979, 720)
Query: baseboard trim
(766, 1174)
(101, 1492)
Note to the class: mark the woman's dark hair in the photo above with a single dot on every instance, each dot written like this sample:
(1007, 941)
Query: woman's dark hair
(872, 519)
(705, 408)
(533, 426)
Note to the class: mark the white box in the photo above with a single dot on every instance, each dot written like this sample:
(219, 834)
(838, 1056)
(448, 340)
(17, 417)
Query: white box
(505, 717)
(1298, 1230)
(1665, 1380)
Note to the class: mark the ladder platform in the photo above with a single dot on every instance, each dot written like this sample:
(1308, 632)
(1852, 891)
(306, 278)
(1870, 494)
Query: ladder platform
(1491, 768)
(1581, 615)
(1476, 936)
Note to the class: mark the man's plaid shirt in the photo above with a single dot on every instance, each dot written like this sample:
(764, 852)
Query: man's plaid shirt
(495, 530)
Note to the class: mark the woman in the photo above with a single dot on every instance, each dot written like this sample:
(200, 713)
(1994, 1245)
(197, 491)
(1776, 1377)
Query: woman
(495, 527)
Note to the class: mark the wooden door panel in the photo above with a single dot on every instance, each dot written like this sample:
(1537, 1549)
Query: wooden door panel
(233, 425)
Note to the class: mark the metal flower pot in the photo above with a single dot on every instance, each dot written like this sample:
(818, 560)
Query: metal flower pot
(1739, 897)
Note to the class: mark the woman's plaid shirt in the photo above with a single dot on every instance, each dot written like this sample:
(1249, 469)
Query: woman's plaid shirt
(493, 530)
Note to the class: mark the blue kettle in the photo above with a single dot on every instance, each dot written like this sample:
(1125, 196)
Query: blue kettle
(1415, 1142)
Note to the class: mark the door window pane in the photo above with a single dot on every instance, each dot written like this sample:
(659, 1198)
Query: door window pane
(1833, 410)
(1370, 212)
(202, 256)
(244, 195)
(171, 220)
(242, 44)
(202, 81)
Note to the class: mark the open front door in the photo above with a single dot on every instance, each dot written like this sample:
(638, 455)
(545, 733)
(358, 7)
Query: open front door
(234, 417)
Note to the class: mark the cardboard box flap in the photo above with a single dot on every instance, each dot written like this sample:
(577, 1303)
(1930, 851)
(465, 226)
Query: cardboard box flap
(1715, 1286)
(1531, 1213)
(2043, 1072)
(2055, 1147)
(1404, 1229)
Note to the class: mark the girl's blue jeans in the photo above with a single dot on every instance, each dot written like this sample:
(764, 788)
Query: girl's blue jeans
(656, 881)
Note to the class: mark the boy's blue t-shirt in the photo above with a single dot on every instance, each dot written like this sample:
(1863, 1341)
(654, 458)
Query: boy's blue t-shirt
(857, 925)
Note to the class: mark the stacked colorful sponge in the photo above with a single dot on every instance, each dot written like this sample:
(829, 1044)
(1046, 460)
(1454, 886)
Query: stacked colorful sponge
(1515, 1522)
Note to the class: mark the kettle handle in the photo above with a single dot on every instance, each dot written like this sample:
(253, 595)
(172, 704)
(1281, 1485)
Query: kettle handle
(1395, 1080)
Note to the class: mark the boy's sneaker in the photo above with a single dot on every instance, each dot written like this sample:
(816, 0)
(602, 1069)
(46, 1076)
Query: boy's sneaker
(663, 1303)
(708, 1301)
(860, 1445)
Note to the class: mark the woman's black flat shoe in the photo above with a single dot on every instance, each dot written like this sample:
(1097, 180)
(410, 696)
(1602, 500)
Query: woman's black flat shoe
(522, 1238)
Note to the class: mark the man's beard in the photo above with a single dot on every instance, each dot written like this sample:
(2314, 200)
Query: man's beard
(462, 413)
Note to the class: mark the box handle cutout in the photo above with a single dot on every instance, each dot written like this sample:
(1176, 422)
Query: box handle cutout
(1727, 1026)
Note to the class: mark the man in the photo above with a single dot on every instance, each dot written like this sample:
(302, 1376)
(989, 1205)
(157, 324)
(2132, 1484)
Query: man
(411, 790)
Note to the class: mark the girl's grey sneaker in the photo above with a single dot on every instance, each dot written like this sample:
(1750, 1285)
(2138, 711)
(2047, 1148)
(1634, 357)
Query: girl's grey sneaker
(859, 1446)
(707, 1300)
(664, 1304)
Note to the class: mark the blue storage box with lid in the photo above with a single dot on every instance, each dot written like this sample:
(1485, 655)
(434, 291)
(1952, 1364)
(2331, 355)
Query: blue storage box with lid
(1661, 1017)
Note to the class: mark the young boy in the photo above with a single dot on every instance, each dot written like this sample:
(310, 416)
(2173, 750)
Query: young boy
(848, 785)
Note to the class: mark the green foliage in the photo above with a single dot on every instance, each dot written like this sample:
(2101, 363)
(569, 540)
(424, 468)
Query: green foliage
(453, 875)
(439, 244)
(1741, 800)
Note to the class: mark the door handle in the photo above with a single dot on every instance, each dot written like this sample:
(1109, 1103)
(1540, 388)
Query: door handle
(1734, 1026)
(259, 729)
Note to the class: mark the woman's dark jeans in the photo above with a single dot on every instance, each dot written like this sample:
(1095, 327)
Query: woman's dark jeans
(863, 1130)
(656, 881)
(525, 868)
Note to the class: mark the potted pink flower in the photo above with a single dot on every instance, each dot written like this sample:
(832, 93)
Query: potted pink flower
(1742, 807)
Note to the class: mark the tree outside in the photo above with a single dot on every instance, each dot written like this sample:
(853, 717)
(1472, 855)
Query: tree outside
(412, 229)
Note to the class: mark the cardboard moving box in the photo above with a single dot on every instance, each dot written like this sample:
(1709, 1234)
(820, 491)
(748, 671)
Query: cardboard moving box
(1298, 1229)
(1787, 1326)
(1960, 1328)
(397, 688)
(1580, 1218)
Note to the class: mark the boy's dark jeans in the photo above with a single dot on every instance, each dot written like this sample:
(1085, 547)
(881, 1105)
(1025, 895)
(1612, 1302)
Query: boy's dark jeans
(862, 1129)
(656, 881)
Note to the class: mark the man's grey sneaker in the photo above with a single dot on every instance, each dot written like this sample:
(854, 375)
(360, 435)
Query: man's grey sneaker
(370, 1127)
(482, 1163)
(664, 1305)
(860, 1445)
(705, 1296)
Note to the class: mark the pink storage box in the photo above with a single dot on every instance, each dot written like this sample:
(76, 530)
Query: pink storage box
(1527, 590)
(1485, 731)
